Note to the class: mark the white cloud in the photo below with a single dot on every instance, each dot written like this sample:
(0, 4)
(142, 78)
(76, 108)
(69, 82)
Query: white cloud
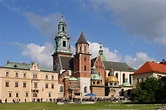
(138, 60)
(110, 56)
(141, 18)
(39, 54)
(47, 25)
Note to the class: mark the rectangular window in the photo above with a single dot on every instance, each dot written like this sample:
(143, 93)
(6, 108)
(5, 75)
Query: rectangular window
(46, 76)
(52, 86)
(16, 74)
(52, 77)
(7, 73)
(64, 43)
(6, 84)
(17, 95)
(34, 94)
(26, 94)
(24, 84)
(34, 75)
(16, 84)
(46, 85)
(24, 75)
(10, 94)
(49, 94)
(35, 85)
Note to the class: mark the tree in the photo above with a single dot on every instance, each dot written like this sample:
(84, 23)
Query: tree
(145, 92)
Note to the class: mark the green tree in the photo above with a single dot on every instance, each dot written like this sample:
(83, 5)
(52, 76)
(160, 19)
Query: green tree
(145, 91)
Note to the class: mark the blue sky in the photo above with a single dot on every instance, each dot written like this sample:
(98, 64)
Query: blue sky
(130, 31)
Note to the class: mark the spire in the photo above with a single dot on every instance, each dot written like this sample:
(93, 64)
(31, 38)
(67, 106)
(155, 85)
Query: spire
(81, 39)
(101, 53)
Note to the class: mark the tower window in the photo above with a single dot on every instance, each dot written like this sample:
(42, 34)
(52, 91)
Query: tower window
(84, 68)
(63, 28)
(84, 48)
(64, 43)
(61, 88)
(85, 89)
(130, 78)
(116, 75)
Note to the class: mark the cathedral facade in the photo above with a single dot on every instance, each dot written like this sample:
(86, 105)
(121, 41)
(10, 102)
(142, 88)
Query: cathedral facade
(79, 75)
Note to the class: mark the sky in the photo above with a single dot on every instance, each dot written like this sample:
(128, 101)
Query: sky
(131, 31)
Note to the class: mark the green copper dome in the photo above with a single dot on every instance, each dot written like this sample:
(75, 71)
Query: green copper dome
(72, 79)
(95, 77)
(103, 58)
(126, 84)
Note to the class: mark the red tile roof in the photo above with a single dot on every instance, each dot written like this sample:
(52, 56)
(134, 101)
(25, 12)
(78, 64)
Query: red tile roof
(151, 67)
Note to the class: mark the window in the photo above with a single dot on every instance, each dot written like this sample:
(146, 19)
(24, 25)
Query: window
(34, 75)
(46, 85)
(130, 78)
(63, 28)
(64, 43)
(84, 58)
(80, 48)
(93, 82)
(10, 94)
(115, 84)
(46, 76)
(84, 48)
(26, 94)
(35, 85)
(123, 77)
(6, 84)
(24, 84)
(111, 84)
(98, 82)
(84, 68)
(142, 79)
(49, 94)
(24, 75)
(52, 86)
(85, 89)
(61, 88)
(34, 94)
(52, 77)
(16, 84)
(17, 95)
(137, 80)
(7, 73)
(116, 75)
(16, 74)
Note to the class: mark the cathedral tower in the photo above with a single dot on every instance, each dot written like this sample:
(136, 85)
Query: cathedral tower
(62, 47)
(82, 64)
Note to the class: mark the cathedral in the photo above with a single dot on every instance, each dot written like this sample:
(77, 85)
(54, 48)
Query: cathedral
(79, 74)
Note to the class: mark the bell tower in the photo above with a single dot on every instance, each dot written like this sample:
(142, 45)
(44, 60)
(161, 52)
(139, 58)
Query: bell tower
(82, 64)
(62, 47)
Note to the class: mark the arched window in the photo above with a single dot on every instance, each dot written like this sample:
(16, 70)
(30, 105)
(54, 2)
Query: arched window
(84, 68)
(98, 82)
(109, 74)
(123, 77)
(85, 89)
(116, 75)
(61, 88)
(46, 76)
(63, 28)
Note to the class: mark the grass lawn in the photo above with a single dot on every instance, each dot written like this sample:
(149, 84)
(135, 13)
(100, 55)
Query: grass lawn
(96, 106)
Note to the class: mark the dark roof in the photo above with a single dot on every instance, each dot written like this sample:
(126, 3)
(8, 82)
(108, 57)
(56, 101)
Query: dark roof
(117, 66)
(93, 61)
(67, 62)
(81, 39)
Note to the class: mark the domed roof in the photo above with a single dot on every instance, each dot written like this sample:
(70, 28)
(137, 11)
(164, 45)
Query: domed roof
(112, 79)
(73, 79)
(95, 77)
(126, 84)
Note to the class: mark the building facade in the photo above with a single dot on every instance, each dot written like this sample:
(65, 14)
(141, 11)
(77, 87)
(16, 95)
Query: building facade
(21, 82)
(86, 75)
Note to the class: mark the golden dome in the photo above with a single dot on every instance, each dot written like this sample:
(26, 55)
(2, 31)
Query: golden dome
(112, 79)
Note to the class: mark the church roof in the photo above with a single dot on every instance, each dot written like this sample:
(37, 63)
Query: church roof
(81, 39)
(149, 67)
(118, 66)
(24, 66)
(67, 62)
